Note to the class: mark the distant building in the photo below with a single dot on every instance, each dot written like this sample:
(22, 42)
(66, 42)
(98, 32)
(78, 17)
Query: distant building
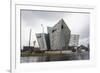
(59, 36)
(43, 41)
(83, 48)
(74, 39)
(30, 48)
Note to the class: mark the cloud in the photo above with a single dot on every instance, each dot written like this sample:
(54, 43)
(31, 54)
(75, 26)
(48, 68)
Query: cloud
(84, 41)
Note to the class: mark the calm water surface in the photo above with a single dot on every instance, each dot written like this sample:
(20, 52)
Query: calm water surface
(74, 56)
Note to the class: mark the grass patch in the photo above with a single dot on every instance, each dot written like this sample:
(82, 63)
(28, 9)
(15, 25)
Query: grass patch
(26, 54)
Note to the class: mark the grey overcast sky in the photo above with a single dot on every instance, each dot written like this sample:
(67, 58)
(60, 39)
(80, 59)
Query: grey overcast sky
(78, 23)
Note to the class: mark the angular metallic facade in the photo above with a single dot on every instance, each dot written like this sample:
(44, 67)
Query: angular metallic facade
(42, 40)
(59, 36)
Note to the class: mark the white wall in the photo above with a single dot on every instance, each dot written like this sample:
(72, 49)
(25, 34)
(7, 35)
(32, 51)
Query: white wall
(5, 35)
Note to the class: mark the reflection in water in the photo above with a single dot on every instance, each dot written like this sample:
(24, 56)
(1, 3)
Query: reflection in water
(74, 56)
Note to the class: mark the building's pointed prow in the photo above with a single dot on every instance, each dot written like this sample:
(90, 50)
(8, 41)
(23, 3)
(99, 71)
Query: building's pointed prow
(62, 20)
